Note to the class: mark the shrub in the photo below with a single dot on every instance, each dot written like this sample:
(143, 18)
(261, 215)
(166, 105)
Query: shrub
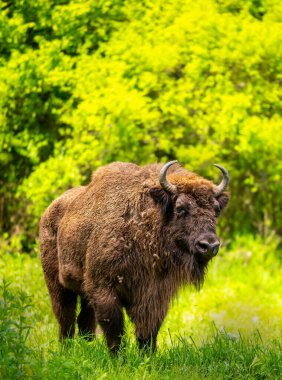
(196, 81)
(14, 330)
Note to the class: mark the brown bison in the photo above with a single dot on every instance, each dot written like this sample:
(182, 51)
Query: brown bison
(128, 240)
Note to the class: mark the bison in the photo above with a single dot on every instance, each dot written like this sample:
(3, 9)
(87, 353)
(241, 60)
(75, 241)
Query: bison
(128, 240)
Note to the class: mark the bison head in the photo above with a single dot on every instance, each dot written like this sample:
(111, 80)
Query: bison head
(190, 206)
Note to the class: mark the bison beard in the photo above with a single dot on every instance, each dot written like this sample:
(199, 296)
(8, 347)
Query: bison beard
(128, 240)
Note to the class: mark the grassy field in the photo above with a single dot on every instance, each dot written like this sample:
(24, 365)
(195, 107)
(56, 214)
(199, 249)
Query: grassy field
(230, 329)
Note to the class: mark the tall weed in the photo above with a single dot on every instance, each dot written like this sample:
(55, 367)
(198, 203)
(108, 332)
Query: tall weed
(14, 330)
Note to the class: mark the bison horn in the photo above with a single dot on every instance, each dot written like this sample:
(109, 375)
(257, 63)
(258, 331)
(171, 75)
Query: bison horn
(224, 183)
(169, 187)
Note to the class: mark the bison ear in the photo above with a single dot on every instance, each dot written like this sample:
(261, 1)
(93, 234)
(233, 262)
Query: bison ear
(162, 198)
(223, 200)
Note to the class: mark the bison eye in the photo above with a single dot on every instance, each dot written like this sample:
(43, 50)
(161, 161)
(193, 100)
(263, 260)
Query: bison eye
(180, 211)
(217, 209)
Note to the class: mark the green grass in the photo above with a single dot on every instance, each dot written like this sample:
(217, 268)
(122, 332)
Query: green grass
(230, 329)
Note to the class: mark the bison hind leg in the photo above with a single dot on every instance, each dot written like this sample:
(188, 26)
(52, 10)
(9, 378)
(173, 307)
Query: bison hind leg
(64, 307)
(86, 320)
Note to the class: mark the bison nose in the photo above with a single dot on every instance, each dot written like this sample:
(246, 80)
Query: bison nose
(208, 248)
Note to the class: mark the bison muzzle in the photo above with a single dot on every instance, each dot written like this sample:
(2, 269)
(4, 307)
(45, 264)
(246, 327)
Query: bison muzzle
(128, 240)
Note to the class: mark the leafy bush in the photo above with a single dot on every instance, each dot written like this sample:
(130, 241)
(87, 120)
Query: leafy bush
(14, 329)
(141, 82)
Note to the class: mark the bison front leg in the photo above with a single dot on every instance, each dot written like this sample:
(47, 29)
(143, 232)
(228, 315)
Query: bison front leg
(148, 342)
(147, 322)
(109, 316)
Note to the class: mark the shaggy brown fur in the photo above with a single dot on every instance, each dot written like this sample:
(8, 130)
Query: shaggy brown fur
(124, 242)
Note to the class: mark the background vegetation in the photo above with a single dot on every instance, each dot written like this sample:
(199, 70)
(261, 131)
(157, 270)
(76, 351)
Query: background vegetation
(84, 83)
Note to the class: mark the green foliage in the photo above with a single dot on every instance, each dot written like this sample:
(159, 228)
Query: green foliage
(14, 330)
(84, 83)
(231, 329)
